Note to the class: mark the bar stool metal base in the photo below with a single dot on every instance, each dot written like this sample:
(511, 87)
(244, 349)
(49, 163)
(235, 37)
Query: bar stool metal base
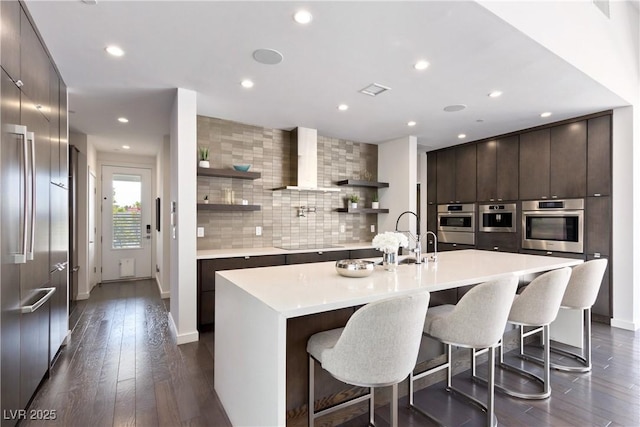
(487, 408)
(544, 381)
(584, 358)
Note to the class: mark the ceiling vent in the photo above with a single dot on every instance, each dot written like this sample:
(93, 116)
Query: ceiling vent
(374, 89)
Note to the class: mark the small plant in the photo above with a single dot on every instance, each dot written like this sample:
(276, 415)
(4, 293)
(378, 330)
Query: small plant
(206, 197)
(203, 153)
(354, 198)
(374, 198)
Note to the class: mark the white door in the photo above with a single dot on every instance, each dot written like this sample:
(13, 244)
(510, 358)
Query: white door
(126, 223)
(92, 231)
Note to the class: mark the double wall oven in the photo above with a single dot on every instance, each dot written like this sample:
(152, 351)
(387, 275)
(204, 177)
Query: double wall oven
(553, 225)
(457, 223)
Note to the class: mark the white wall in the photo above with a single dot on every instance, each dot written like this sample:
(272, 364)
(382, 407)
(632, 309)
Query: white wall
(397, 165)
(183, 146)
(608, 50)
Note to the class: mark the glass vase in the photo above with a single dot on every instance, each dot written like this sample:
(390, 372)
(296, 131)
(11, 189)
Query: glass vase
(390, 260)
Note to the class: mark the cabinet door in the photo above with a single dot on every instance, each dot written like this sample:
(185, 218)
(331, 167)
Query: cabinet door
(598, 226)
(446, 176)
(364, 253)
(432, 165)
(321, 256)
(34, 66)
(466, 173)
(54, 126)
(59, 279)
(507, 168)
(568, 154)
(500, 242)
(602, 306)
(64, 134)
(534, 164)
(10, 38)
(486, 152)
(599, 156)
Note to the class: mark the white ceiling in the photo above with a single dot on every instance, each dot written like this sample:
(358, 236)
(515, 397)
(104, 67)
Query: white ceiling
(207, 47)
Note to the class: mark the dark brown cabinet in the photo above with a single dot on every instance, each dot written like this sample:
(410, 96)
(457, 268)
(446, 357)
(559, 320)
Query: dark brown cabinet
(500, 242)
(598, 226)
(599, 156)
(432, 164)
(497, 170)
(456, 175)
(320, 256)
(207, 269)
(534, 164)
(364, 253)
(568, 162)
(601, 310)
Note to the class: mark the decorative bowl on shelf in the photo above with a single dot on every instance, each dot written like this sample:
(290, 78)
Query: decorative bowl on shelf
(354, 267)
(241, 168)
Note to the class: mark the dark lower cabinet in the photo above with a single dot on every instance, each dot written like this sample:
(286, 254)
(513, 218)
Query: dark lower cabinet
(364, 253)
(602, 310)
(551, 253)
(501, 242)
(444, 247)
(320, 256)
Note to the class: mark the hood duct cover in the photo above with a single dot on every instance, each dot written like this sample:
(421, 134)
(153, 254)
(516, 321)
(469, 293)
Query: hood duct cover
(304, 159)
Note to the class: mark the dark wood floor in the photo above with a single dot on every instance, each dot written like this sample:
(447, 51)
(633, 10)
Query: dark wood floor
(122, 367)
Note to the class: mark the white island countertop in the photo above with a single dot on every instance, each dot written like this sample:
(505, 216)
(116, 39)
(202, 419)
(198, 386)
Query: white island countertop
(301, 289)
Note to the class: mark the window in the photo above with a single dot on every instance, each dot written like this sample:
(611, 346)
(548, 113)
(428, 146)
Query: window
(127, 211)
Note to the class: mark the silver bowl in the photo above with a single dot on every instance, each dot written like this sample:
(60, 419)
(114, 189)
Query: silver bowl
(354, 267)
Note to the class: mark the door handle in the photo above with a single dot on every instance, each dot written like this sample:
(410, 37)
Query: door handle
(21, 257)
(33, 307)
(32, 137)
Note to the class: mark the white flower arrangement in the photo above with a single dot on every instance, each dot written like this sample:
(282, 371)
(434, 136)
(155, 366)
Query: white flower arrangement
(390, 241)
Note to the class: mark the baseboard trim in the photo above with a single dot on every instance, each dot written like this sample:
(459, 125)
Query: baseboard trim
(181, 338)
(625, 324)
(163, 294)
(83, 296)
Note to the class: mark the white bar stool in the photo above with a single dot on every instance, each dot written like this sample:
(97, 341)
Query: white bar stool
(581, 294)
(536, 306)
(477, 321)
(377, 347)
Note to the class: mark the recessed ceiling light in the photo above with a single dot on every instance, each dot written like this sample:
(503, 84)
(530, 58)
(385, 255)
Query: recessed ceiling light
(462, 136)
(126, 147)
(302, 17)
(123, 120)
(247, 83)
(421, 65)
(343, 107)
(411, 123)
(495, 94)
(114, 50)
(480, 120)
(455, 107)
(545, 114)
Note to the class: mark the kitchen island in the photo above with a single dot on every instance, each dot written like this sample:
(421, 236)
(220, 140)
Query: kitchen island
(253, 308)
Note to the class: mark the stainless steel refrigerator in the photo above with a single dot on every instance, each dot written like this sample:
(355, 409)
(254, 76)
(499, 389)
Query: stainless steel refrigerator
(24, 233)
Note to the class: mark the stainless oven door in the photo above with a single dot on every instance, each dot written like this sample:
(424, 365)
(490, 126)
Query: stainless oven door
(561, 231)
(456, 221)
(497, 218)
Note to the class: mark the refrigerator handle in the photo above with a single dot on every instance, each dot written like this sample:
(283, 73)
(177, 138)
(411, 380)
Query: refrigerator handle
(32, 137)
(21, 257)
(33, 307)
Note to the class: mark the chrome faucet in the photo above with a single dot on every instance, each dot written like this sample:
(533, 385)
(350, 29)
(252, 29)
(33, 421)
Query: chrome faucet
(417, 251)
(434, 257)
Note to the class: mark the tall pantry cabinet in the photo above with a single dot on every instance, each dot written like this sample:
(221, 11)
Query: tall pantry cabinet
(33, 210)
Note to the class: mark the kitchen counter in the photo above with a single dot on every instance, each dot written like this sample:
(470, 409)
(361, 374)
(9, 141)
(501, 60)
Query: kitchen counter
(253, 308)
(241, 252)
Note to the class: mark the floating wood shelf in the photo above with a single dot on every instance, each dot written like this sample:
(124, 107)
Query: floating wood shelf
(358, 183)
(362, 210)
(228, 173)
(226, 207)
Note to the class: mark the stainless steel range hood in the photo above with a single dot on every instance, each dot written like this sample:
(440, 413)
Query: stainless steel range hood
(304, 159)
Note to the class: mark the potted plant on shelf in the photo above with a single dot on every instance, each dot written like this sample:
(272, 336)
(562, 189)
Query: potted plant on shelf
(203, 157)
(375, 204)
(354, 199)
(206, 199)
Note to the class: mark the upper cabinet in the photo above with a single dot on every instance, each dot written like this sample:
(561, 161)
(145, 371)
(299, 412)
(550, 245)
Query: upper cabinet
(568, 173)
(553, 162)
(497, 173)
(456, 174)
(599, 156)
(24, 57)
(432, 165)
